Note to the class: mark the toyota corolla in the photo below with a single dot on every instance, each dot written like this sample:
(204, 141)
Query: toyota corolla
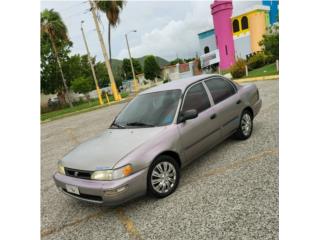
(158, 133)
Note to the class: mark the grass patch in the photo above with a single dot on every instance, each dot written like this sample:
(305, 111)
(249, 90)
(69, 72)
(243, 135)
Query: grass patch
(267, 70)
(86, 106)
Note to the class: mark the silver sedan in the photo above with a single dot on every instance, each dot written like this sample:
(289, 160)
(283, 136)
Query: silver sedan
(159, 132)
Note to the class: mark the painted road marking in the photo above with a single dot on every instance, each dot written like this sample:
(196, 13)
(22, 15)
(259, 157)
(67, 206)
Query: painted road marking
(233, 166)
(49, 231)
(72, 136)
(123, 218)
(128, 224)
(240, 163)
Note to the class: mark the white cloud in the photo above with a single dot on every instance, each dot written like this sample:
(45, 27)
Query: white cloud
(176, 37)
(165, 28)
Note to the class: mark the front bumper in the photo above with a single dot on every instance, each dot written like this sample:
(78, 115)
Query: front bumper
(110, 193)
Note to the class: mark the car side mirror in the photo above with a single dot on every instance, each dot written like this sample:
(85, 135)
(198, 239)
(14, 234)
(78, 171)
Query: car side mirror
(189, 114)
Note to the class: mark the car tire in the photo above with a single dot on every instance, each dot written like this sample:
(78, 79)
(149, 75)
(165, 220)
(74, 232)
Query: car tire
(246, 126)
(163, 176)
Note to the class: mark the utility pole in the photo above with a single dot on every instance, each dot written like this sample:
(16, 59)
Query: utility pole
(91, 65)
(135, 83)
(116, 95)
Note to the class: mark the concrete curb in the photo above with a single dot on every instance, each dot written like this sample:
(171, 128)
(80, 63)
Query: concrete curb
(241, 80)
(253, 79)
(85, 110)
(127, 99)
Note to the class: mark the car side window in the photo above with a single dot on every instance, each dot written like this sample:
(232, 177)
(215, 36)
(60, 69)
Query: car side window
(220, 89)
(196, 98)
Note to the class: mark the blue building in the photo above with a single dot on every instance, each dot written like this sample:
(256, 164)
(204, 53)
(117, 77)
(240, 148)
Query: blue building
(209, 53)
(274, 10)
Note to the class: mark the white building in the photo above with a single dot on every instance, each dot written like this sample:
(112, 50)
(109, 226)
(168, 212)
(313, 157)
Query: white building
(209, 51)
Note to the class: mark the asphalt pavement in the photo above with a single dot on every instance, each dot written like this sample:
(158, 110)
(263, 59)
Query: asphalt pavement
(229, 193)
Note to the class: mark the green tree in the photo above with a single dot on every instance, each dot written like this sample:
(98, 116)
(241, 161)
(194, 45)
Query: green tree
(112, 10)
(175, 61)
(81, 85)
(151, 67)
(118, 75)
(102, 74)
(186, 60)
(126, 67)
(54, 30)
(270, 42)
(72, 67)
(78, 66)
(49, 71)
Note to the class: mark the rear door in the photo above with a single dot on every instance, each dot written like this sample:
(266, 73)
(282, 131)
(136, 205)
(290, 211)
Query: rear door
(197, 135)
(227, 103)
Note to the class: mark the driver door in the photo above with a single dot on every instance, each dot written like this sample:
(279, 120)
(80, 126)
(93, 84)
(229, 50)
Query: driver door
(198, 135)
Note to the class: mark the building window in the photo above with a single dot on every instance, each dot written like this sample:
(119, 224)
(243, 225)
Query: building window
(206, 49)
(235, 25)
(244, 23)
(226, 49)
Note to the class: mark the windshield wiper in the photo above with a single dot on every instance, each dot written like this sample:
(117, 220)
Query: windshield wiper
(140, 124)
(117, 125)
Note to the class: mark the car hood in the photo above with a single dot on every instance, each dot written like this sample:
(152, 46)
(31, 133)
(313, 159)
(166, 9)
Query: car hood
(105, 150)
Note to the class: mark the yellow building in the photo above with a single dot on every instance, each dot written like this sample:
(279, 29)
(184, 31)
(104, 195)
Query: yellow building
(250, 26)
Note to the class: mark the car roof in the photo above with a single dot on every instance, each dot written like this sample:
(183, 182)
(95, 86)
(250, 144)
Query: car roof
(181, 84)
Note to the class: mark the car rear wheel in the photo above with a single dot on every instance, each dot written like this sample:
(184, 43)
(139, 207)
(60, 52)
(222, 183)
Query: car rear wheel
(246, 125)
(163, 176)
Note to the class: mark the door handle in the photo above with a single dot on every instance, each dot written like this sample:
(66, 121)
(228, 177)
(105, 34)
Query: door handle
(213, 116)
(239, 101)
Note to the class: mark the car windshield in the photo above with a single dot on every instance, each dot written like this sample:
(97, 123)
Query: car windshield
(149, 110)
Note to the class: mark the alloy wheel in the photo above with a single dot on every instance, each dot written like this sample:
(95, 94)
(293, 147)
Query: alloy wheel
(246, 124)
(163, 177)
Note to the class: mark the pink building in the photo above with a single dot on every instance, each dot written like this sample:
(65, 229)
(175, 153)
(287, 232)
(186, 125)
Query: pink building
(221, 10)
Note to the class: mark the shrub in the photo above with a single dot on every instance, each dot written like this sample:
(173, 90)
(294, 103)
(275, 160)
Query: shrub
(256, 61)
(166, 79)
(270, 59)
(270, 41)
(81, 100)
(81, 85)
(151, 68)
(238, 69)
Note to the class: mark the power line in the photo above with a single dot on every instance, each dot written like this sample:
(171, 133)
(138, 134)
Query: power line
(76, 14)
(72, 6)
(87, 33)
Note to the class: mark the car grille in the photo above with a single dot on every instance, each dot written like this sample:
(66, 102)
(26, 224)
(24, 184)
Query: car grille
(84, 196)
(78, 173)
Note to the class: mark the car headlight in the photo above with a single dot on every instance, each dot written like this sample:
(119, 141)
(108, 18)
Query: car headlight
(61, 168)
(112, 174)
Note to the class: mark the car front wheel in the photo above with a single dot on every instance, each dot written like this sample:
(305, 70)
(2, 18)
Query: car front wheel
(163, 176)
(246, 125)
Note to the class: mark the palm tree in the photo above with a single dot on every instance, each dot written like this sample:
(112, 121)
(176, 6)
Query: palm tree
(112, 10)
(53, 26)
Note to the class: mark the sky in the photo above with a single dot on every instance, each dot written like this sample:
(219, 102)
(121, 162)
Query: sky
(164, 28)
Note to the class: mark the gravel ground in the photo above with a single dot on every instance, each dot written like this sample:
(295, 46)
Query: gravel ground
(229, 193)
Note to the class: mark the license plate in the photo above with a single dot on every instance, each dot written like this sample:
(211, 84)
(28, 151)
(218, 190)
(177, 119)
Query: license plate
(72, 189)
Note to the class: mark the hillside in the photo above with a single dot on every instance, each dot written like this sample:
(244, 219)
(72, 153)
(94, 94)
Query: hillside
(160, 61)
(118, 63)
